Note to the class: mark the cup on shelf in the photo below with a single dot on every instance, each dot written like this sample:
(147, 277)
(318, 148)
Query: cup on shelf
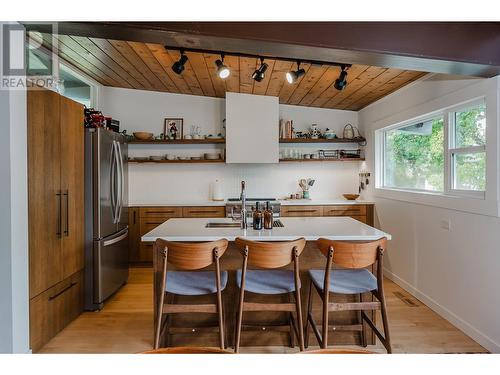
(170, 157)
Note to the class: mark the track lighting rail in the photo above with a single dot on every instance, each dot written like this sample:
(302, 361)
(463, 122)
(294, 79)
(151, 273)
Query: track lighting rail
(239, 54)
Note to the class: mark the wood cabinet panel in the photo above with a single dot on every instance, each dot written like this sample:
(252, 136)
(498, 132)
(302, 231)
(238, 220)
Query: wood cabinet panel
(55, 308)
(203, 212)
(347, 210)
(299, 211)
(134, 233)
(160, 212)
(72, 185)
(44, 190)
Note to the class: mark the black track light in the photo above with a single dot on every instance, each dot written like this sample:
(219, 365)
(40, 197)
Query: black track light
(341, 82)
(178, 66)
(293, 76)
(222, 70)
(259, 73)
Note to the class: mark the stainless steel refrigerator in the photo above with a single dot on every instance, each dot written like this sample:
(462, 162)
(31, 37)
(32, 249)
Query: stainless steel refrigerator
(106, 215)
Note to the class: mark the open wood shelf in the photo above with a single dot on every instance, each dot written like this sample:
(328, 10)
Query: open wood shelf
(178, 161)
(179, 141)
(321, 140)
(319, 160)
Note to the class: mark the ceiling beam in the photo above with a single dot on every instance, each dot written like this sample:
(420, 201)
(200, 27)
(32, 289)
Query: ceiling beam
(463, 48)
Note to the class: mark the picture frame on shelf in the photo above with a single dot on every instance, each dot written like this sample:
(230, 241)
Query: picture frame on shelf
(173, 128)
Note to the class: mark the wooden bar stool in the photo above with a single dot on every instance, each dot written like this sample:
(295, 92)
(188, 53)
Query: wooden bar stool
(270, 255)
(353, 279)
(190, 257)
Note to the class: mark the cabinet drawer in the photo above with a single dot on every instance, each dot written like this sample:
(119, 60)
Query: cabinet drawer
(160, 212)
(351, 210)
(203, 212)
(54, 309)
(301, 211)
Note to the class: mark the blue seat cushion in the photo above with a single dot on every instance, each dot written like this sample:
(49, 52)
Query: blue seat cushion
(346, 281)
(267, 281)
(192, 283)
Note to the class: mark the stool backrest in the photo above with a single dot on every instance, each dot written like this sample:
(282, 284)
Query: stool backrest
(352, 254)
(192, 255)
(270, 254)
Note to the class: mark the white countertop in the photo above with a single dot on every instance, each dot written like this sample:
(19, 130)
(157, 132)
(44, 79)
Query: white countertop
(311, 228)
(284, 202)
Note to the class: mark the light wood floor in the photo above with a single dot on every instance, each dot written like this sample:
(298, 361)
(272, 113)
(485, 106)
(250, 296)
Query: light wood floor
(125, 325)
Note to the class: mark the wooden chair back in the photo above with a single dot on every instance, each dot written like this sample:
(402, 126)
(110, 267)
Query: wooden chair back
(192, 255)
(352, 254)
(270, 254)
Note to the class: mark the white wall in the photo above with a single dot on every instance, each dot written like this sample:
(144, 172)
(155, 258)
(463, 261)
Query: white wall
(454, 271)
(14, 292)
(157, 183)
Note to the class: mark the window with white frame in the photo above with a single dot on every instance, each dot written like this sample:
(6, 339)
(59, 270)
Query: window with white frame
(444, 152)
(467, 151)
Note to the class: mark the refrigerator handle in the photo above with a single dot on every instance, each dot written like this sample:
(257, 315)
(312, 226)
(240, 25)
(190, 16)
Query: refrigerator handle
(121, 180)
(118, 181)
(116, 239)
(113, 182)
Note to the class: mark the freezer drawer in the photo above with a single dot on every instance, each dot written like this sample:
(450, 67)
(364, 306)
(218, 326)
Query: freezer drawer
(110, 266)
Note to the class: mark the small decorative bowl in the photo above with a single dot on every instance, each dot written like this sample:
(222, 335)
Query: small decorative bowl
(351, 197)
(143, 136)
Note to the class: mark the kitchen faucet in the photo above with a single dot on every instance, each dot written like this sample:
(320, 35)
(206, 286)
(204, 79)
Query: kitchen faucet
(243, 198)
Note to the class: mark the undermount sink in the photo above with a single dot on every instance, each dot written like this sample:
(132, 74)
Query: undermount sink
(222, 225)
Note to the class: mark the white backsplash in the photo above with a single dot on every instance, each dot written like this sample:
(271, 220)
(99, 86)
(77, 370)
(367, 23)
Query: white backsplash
(157, 183)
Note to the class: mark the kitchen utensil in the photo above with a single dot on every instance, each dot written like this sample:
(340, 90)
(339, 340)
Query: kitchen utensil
(310, 182)
(351, 197)
(143, 136)
(303, 184)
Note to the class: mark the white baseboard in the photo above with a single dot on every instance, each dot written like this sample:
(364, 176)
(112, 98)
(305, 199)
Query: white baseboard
(458, 322)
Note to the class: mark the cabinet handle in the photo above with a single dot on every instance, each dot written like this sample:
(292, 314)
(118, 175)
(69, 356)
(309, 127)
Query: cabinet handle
(59, 215)
(203, 212)
(66, 231)
(135, 215)
(62, 291)
(301, 211)
(160, 212)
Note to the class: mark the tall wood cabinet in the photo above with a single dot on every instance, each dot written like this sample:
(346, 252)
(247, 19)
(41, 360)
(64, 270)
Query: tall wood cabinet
(56, 213)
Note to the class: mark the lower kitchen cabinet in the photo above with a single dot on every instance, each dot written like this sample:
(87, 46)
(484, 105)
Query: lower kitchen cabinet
(55, 308)
(361, 212)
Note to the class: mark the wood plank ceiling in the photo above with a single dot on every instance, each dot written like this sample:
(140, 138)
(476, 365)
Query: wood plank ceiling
(147, 66)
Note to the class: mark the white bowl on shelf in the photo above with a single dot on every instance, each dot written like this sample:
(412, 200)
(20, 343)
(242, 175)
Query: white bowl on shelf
(212, 156)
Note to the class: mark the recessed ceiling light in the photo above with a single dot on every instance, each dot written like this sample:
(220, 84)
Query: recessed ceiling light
(259, 73)
(222, 70)
(293, 76)
(178, 66)
(341, 82)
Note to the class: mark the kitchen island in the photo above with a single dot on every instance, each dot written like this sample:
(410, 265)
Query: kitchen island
(311, 228)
